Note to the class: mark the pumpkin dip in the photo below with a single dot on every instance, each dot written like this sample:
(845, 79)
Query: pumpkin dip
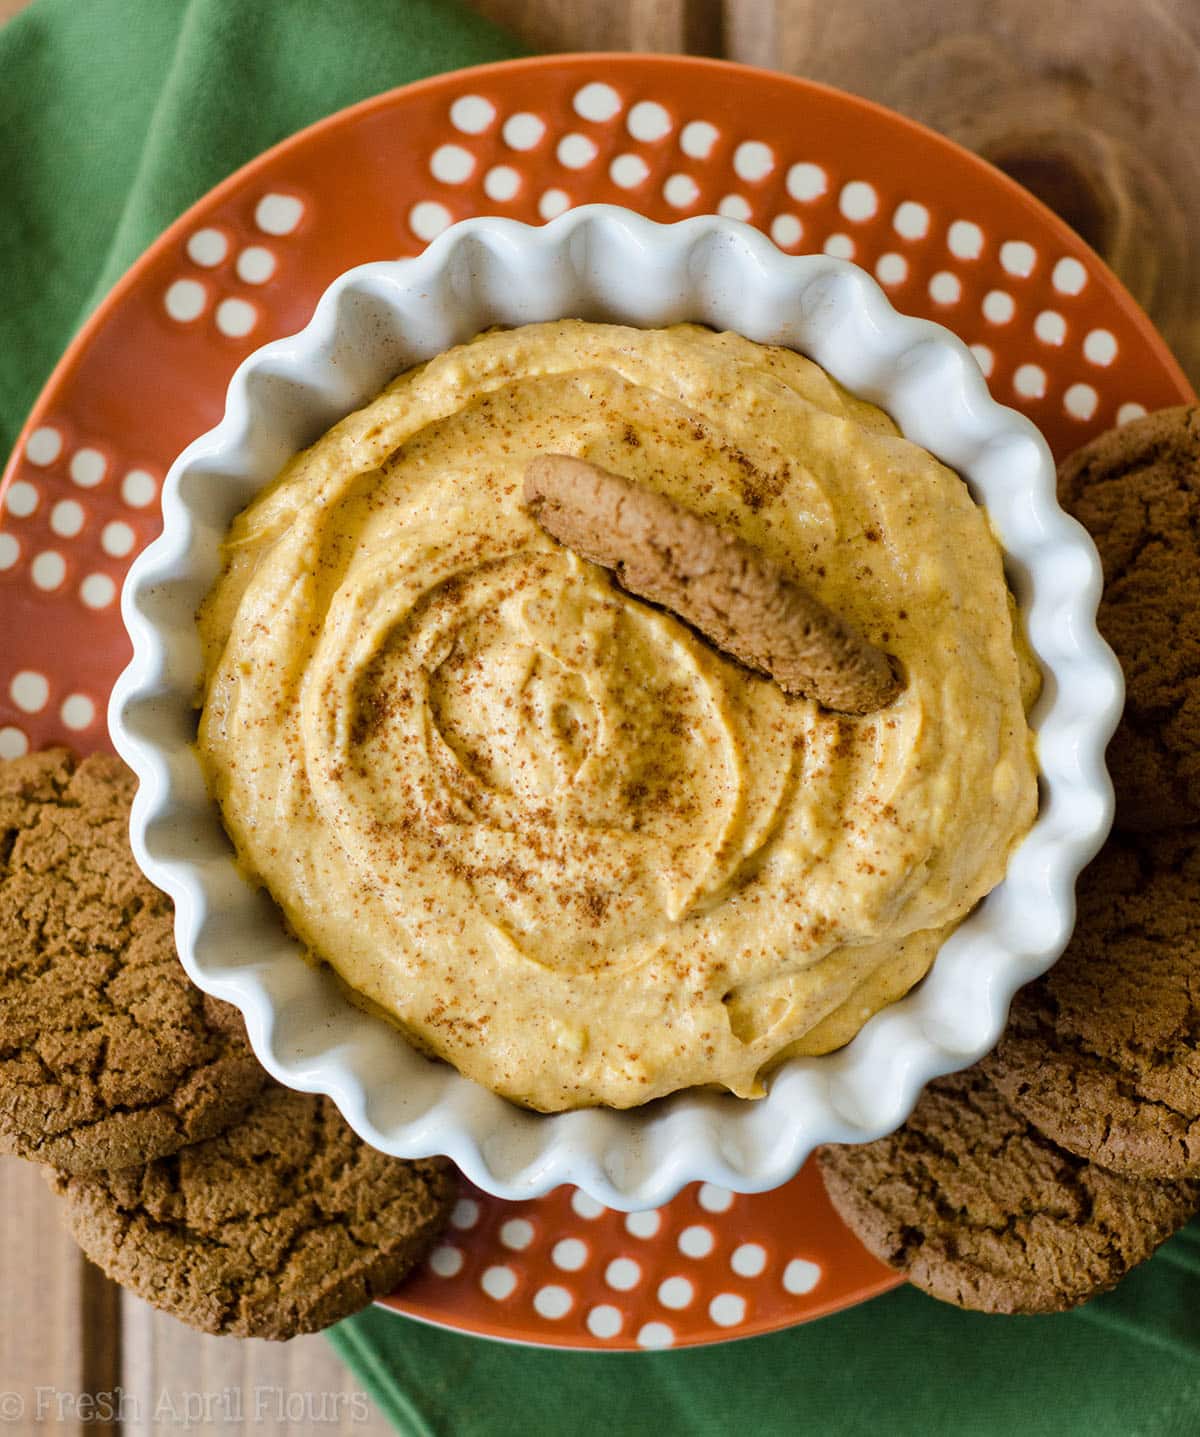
(558, 838)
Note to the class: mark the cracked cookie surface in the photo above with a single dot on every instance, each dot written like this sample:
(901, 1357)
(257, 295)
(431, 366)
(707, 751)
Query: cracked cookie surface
(1137, 491)
(1101, 1053)
(978, 1208)
(109, 1055)
(284, 1223)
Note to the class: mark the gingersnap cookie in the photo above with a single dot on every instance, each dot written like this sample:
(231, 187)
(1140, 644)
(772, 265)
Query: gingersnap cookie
(978, 1208)
(1100, 1053)
(1137, 491)
(737, 597)
(282, 1224)
(108, 1053)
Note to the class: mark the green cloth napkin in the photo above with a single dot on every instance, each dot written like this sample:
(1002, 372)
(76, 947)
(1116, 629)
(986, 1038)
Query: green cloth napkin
(903, 1365)
(114, 116)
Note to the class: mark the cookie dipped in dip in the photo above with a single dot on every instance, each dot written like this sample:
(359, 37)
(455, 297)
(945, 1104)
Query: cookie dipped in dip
(560, 839)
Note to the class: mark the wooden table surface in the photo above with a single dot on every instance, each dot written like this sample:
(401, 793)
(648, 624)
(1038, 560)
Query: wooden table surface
(1093, 112)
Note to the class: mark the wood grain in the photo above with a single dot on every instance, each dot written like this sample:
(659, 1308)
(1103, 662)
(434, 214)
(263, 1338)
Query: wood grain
(694, 26)
(226, 1387)
(1093, 106)
(60, 1351)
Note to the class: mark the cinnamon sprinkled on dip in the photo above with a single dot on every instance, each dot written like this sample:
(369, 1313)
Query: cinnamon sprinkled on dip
(563, 842)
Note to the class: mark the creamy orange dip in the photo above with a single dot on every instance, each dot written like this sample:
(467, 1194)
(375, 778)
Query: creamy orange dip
(559, 839)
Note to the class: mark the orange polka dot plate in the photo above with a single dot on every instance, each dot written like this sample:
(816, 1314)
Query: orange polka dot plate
(947, 237)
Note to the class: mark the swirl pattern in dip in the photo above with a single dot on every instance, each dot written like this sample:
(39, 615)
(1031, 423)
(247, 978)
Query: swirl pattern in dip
(560, 840)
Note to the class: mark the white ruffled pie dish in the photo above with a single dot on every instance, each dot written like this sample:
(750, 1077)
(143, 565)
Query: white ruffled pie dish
(605, 263)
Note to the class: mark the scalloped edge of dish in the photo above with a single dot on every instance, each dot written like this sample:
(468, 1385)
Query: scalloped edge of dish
(603, 262)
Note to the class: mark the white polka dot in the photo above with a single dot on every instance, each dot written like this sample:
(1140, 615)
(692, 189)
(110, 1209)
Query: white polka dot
(575, 151)
(13, 742)
(648, 121)
(964, 239)
(858, 201)
(569, 1253)
(586, 1206)
(1100, 347)
(22, 499)
(207, 247)
(255, 264)
(552, 1301)
(800, 1276)
(427, 219)
(840, 246)
(451, 164)
(749, 1259)
(43, 446)
(696, 1241)
(891, 268)
(516, 1234)
(622, 1273)
(523, 131)
(446, 1261)
(278, 214)
(945, 287)
(97, 591)
(138, 488)
(1018, 258)
(727, 1309)
(628, 171)
(66, 518)
(604, 1321)
(643, 1224)
(498, 1282)
(465, 1214)
(786, 231)
(88, 467)
(697, 139)
(655, 1334)
(1081, 401)
(735, 207)
(1030, 381)
(998, 306)
(1126, 413)
(10, 551)
(501, 183)
(48, 570)
(681, 191)
(554, 203)
(77, 711)
(1050, 327)
(714, 1199)
(675, 1292)
(29, 691)
(185, 300)
(236, 317)
(472, 114)
(984, 358)
(597, 101)
(806, 181)
(752, 160)
(911, 220)
(1068, 276)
